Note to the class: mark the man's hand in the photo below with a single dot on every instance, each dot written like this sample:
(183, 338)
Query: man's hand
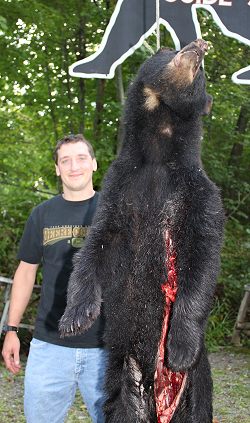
(21, 291)
(10, 352)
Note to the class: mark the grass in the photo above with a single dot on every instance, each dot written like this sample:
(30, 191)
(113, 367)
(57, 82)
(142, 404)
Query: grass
(78, 412)
(11, 399)
(231, 385)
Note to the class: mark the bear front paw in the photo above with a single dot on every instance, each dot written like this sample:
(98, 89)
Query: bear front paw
(78, 319)
(182, 352)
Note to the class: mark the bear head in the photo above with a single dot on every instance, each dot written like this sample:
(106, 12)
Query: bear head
(176, 80)
(162, 119)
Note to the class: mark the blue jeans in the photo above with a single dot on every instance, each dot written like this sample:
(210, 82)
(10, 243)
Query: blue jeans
(52, 375)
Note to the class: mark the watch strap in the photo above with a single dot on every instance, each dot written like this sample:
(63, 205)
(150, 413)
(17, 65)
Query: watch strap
(8, 328)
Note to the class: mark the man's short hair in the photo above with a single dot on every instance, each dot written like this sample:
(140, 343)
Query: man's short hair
(72, 139)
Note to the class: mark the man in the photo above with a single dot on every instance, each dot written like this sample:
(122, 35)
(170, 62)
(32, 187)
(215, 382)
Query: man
(54, 230)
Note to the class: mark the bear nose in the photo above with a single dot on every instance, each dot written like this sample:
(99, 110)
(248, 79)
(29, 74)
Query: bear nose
(203, 45)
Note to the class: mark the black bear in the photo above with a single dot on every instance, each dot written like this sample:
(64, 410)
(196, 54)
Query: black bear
(153, 253)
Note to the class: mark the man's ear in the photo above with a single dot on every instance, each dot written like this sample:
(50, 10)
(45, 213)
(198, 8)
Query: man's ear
(208, 105)
(57, 170)
(94, 165)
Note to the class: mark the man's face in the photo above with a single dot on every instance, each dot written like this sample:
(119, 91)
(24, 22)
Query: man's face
(75, 166)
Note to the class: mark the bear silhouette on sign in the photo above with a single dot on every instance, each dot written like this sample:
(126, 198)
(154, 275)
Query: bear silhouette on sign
(133, 21)
(153, 252)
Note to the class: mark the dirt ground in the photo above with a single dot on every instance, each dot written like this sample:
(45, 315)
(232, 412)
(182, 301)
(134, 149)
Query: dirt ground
(230, 368)
(231, 376)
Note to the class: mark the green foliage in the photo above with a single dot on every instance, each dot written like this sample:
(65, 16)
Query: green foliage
(223, 130)
(219, 326)
(40, 102)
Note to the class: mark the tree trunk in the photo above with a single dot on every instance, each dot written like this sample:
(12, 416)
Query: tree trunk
(100, 89)
(82, 49)
(240, 130)
(65, 66)
(51, 103)
(121, 99)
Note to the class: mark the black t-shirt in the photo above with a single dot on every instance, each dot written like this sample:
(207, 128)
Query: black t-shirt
(54, 231)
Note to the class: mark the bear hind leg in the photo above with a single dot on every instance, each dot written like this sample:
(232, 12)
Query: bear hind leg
(196, 402)
(127, 400)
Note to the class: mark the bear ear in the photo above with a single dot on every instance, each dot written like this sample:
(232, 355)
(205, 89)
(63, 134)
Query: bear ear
(208, 105)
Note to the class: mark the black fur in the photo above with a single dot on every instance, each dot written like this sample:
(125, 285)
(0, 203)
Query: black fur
(157, 184)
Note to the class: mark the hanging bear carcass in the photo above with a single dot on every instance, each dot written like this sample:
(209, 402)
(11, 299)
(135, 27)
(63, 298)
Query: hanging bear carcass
(153, 253)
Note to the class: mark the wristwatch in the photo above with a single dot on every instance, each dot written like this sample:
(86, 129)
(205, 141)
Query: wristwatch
(7, 328)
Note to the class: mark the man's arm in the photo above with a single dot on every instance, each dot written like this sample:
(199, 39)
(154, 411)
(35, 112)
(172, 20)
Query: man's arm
(23, 283)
